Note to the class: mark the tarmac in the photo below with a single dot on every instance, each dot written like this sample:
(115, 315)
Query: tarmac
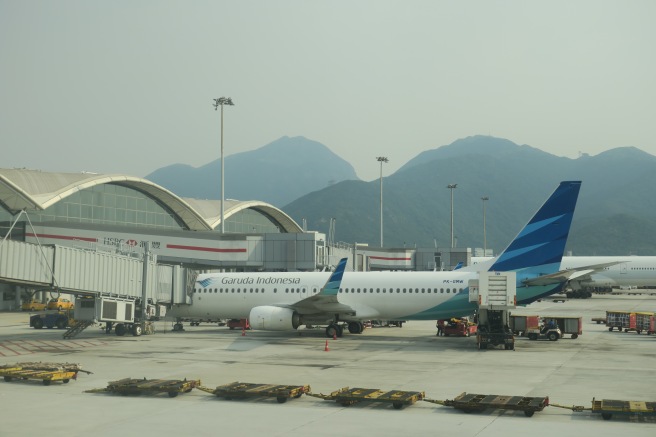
(598, 364)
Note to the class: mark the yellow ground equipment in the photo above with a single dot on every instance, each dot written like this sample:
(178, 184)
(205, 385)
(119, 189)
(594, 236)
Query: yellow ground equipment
(45, 372)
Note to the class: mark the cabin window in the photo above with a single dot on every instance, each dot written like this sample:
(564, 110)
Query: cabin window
(275, 290)
(404, 290)
(441, 290)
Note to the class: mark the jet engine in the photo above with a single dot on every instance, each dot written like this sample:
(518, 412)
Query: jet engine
(270, 318)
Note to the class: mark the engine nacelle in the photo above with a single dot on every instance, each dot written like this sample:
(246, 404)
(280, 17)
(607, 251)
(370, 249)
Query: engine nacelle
(270, 318)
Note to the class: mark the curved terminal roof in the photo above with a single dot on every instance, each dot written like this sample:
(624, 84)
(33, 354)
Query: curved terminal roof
(36, 190)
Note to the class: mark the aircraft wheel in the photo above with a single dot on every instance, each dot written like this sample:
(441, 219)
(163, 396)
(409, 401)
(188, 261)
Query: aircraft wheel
(340, 330)
(355, 327)
(331, 331)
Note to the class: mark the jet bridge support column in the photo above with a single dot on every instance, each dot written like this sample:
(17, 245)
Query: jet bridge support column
(144, 288)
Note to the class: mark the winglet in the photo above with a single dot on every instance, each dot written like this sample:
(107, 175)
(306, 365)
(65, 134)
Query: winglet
(332, 286)
(458, 266)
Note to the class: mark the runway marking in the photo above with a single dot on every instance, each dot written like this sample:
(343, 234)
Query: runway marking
(25, 347)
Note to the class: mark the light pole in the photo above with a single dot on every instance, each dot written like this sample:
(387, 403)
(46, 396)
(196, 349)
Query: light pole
(452, 187)
(484, 199)
(220, 102)
(381, 159)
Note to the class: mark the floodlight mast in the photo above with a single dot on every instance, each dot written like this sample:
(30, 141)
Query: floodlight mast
(452, 187)
(484, 199)
(221, 101)
(381, 159)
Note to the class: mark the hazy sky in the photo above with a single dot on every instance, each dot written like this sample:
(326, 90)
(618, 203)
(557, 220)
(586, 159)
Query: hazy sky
(128, 86)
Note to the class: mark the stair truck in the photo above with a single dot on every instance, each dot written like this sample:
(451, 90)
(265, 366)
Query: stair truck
(496, 294)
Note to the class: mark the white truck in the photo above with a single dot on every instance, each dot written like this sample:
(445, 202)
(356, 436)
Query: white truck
(496, 294)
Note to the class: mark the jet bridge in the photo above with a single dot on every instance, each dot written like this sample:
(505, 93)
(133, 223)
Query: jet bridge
(92, 273)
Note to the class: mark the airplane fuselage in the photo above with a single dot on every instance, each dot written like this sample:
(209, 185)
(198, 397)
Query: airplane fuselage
(371, 295)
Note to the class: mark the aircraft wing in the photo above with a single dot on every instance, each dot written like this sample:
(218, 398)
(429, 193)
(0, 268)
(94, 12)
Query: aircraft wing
(326, 300)
(569, 274)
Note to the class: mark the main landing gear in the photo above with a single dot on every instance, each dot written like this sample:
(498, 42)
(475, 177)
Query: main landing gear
(337, 330)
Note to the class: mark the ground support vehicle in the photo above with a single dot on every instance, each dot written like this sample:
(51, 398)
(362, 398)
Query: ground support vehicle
(608, 407)
(238, 324)
(496, 294)
(33, 305)
(52, 319)
(459, 328)
(470, 402)
(240, 390)
(45, 372)
(60, 304)
(349, 396)
(130, 386)
(123, 315)
(568, 325)
(520, 323)
(551, 334)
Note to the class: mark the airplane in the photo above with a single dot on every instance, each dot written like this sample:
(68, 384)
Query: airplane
(615, 271)
(286, 300)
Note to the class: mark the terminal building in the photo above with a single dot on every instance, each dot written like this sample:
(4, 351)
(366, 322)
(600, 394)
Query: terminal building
(123, 214)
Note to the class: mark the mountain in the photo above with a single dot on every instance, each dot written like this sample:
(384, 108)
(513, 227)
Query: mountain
(615, 214)
(276, 173)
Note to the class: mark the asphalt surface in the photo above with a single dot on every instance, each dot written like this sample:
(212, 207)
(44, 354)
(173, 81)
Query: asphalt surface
(599, 364)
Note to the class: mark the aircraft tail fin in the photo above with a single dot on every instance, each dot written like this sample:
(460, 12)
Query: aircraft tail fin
(332, 285)
(538, 248)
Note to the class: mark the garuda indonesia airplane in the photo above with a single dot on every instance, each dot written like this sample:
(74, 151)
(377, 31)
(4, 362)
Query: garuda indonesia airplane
(284, 301)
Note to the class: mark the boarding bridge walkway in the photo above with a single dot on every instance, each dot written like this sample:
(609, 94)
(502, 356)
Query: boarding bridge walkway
(84, 272)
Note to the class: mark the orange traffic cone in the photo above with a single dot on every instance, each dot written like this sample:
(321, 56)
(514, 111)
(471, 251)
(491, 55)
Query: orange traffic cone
(326, 348)
(335, 336)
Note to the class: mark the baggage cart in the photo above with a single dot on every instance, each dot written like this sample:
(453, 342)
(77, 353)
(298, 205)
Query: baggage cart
(131, 386)
(645, 322)
(470, 402)
(608, 407)
(240, 390)
(519, 324)
(45, 372)
(622, 320)
(349, 396)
